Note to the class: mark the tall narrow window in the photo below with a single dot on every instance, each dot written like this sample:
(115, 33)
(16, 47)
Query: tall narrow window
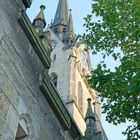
(80, 97)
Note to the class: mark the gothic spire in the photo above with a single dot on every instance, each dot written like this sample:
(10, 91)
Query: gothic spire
(69, 35)
(61, 16)
(89, 122)
(40, 22)
(89, 114)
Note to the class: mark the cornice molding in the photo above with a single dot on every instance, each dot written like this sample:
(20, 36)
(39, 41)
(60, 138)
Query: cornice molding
(56, 103)
(50, 92)
(58, 106)
(42, 51)
(27, 3)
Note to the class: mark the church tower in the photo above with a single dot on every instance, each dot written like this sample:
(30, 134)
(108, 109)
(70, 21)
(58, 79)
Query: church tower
(59, 24)
(42, 99)
(70, 65)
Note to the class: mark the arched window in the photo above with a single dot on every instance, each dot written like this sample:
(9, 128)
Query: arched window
(54, 79)
(80, 97)
(22, 132)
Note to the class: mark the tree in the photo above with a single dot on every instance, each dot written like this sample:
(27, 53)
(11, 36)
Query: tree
(117, 27)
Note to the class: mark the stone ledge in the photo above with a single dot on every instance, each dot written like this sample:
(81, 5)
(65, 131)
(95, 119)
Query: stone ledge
(27, 3)
(59, 107)
(41, 50)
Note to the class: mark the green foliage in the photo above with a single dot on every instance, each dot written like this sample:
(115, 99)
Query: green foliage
(118, 26)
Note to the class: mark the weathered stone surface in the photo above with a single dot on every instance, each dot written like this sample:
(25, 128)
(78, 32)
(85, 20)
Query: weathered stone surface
(20, 94)
(7, 87)
(4, 104)
(2, 121)
(11, 125)
(42, 135)
(20, 68)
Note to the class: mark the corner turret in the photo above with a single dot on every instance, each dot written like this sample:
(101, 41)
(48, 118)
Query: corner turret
(40, 22)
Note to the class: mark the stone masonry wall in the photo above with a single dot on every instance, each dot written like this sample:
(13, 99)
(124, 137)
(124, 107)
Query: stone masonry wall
(20, 96)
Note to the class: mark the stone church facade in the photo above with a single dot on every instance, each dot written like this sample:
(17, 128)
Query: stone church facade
(44, 94)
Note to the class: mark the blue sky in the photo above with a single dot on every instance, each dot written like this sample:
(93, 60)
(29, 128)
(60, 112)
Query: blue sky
(79, 10)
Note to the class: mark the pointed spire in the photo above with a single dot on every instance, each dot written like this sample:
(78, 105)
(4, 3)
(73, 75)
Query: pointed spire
(89, 122)
(89, 114)
(69, 35)
(61, 16)
(94, 128)
(40, 22)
